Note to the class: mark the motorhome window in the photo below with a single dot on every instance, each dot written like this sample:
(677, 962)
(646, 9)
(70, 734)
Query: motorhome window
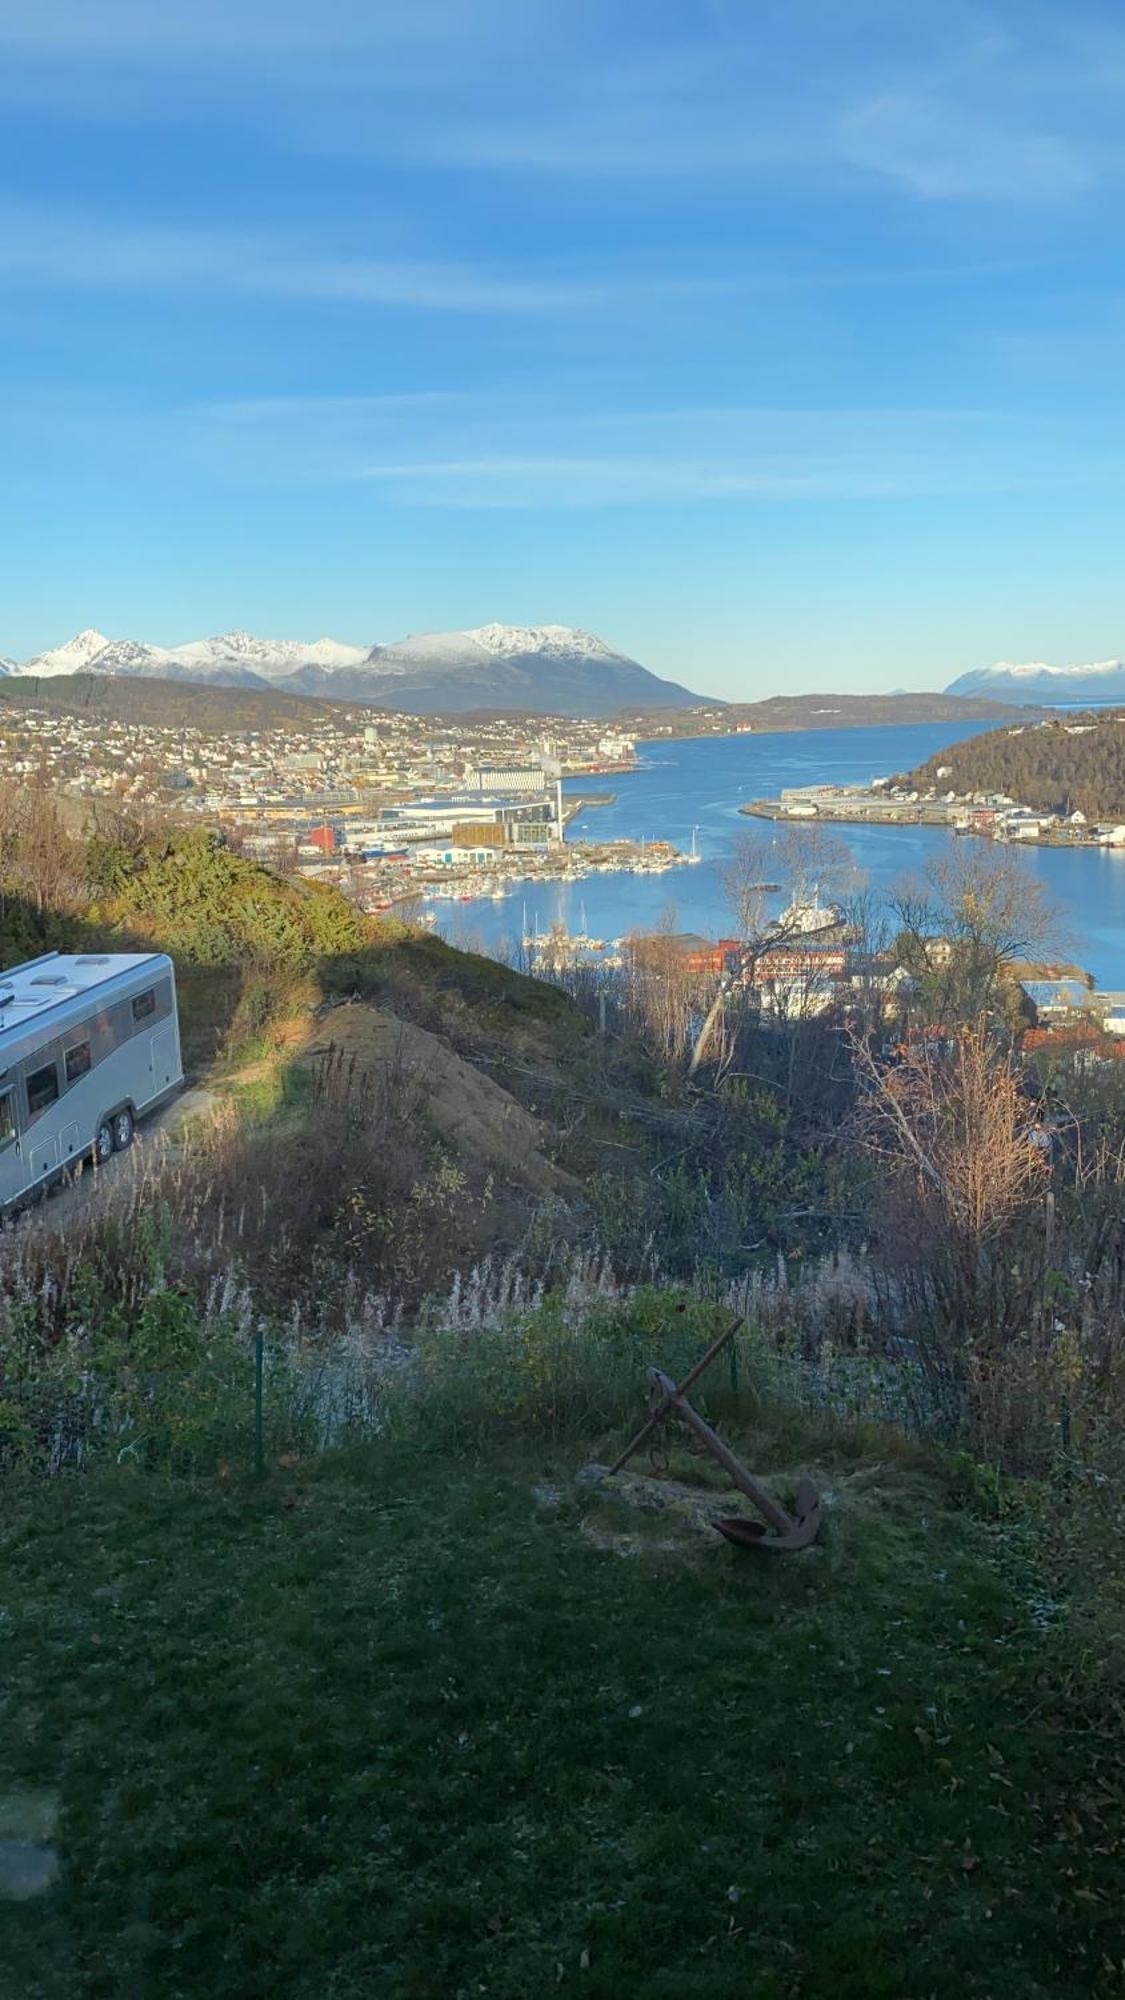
(77, 1061)
(106, 1031)
(7, 1120)
(42, 1088)
(144, 1005)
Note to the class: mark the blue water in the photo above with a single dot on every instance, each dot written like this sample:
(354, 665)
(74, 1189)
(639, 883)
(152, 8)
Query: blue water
(702, 782)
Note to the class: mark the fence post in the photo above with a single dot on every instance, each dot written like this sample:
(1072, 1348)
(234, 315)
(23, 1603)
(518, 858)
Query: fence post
(259, 1431)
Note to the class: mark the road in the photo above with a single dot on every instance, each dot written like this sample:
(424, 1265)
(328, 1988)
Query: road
(94, 1187)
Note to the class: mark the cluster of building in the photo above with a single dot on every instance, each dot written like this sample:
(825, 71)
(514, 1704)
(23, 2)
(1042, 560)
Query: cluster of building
(1070, 1016)
(809, 963)
(804, 969)
(378, 804)
(991, 814)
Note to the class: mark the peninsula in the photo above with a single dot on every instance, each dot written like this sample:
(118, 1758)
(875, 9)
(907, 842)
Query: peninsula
(1059, 780)
(821, 711)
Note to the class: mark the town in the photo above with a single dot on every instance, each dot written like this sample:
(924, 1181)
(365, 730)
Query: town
(394, 809)
(814, 962)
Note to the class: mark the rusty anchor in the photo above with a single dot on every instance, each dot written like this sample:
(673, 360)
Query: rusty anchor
(784, 1532)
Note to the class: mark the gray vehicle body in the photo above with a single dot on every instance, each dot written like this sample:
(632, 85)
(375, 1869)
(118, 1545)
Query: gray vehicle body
(84, 1038)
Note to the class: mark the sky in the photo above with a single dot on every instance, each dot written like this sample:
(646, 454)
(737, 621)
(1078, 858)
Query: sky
(778, 342)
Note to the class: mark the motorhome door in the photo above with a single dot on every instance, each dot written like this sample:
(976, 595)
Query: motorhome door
(11, 1163)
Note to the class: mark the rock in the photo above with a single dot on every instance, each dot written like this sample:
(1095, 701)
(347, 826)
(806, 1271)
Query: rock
(28, 1864)
(28, 1815)
(25, 1871)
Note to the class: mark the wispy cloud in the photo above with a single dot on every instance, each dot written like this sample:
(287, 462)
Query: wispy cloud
(962, 102)
(65, 252)
(446, 449)
(937, 150)
(496, 451)
(944, 104)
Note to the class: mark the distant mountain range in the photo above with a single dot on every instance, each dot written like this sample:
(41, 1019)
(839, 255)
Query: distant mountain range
(1035, 681)
(540, 669)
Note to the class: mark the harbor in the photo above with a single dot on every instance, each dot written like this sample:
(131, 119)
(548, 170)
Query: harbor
(693, 791)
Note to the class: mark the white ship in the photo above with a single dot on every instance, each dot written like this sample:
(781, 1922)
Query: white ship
(805, 916)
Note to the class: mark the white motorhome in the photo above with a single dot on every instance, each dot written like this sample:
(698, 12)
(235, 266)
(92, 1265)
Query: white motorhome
(89, 1042)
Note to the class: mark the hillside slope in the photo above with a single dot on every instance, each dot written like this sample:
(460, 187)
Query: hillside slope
(1056, 766)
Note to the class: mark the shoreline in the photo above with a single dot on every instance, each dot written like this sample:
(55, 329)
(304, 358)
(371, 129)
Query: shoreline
(770, 723)
(1008, 826)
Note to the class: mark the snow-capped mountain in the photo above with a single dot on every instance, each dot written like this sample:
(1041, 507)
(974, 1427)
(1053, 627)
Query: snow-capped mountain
(552, 669)
(76, 657)
(270, 657)
(1034, 680)
(545, 669)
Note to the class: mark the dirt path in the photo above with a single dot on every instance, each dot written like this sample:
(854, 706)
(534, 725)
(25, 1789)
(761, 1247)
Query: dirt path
(153, 1143)
(477, 1118)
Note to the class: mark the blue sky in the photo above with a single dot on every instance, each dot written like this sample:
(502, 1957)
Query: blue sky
(778, 343)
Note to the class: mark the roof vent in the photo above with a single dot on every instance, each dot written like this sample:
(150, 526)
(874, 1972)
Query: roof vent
(50, 979)
(93, 959)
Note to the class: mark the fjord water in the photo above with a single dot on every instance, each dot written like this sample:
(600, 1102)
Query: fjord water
(701, 783)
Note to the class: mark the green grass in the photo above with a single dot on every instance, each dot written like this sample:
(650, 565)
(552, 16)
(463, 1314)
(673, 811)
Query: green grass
(384, 1727)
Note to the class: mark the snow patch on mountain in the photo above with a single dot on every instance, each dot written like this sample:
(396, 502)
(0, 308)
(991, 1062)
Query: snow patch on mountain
(1030, 669)
(553, 641)
(1097, 680)
(267, 656)
(72, 658)
(544, 669)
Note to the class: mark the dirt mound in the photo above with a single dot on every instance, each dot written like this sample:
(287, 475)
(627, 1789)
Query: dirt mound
(475, 1116)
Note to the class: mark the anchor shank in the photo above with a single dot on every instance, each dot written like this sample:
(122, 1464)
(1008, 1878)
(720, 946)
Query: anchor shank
(775, 1515)
(658, 1415)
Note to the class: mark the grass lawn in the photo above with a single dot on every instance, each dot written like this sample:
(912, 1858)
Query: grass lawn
(384, 1727)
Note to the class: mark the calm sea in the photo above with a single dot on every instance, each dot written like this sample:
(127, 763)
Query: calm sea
(700, 785)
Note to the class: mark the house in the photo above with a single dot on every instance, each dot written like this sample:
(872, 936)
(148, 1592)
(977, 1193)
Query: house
(687, 949)
(797, 977)
(1055, 999)
(1083, 1040)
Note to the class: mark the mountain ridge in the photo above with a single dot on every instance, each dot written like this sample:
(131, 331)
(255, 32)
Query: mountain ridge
(546, 669)
(1021, 680)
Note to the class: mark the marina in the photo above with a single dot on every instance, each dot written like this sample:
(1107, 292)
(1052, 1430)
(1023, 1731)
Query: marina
(694, 791)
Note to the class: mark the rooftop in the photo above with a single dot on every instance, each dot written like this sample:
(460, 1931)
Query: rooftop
(28, 990)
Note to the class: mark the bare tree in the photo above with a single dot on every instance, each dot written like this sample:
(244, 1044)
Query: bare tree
(813, 860)
(664, 991)
(974, 916)
(950, 1121)
(48, 859)
(801, 861)
(747, 883)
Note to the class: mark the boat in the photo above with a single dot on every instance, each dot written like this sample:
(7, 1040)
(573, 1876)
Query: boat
(806, 917)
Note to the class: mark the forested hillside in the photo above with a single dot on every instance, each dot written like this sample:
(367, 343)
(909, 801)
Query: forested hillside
(1057, 766)
(170, 704)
